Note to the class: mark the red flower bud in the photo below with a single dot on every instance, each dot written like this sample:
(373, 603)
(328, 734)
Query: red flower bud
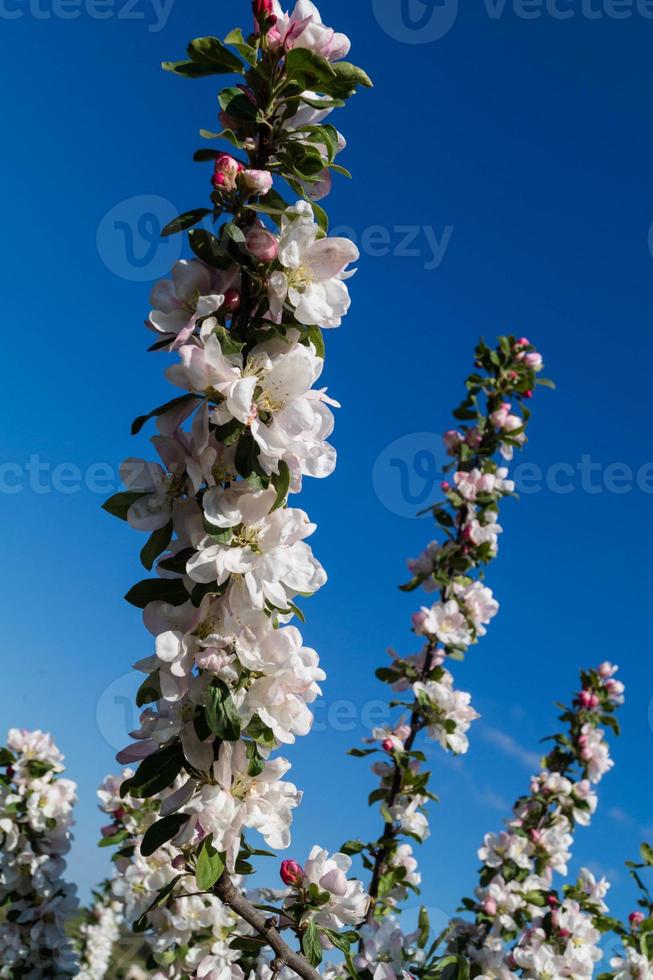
(636, 919)
(264, 12)
(231, 300)
(291, 873)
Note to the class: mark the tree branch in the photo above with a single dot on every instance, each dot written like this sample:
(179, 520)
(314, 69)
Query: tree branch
(231, 896)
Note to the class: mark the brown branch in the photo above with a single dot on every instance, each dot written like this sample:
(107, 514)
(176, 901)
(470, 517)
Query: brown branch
(231, 896)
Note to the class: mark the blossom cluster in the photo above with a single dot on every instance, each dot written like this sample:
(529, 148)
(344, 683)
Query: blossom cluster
(36, 816)
(183, 935)
(229, 679)
(493, 421)
(522, 922)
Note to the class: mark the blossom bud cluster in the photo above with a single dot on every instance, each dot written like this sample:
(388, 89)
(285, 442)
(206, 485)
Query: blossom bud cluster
(521, 921)
(467, 520)
(36, 816)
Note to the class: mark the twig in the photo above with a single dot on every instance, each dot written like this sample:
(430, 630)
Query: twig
(231, 896)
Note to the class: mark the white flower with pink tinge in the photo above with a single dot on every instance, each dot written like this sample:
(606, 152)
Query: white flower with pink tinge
(447, 707)
(266, 553)
(446, 622)
(348, 901)
(195, 291)
(303, 28)
(313, 271)
(502, 847)
(595, 752)
(470, 484)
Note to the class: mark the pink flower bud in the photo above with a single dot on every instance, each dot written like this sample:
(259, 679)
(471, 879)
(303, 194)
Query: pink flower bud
(419, 621)
(553, 901)
(452, 439)
(291, 873)
(231, 300)
(226, 171)
(587, 699)
(607, 670)
(179, 862)
(564, 933)
(536, 836)
(528, 394)
(118, 814)
(523, 342)
(387, 745)
(490, 906)
(533, 361)
(262, 244)
(445, 486)
(636, 919)
(257, 181)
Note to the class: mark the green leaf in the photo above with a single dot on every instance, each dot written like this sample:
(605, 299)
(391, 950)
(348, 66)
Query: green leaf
(311, 945)
(424, 927)
(321, 217)
(221, 713)
(210, 52)
(187, 219)
(119, 504)
(647, 854)
(161, 899)
(313, 335)
(188, 69)
(228, 343)
(210, 865)
(157, 589)
(281, 483)
(118, 838)
(207, 248)
(352, 847)
(345, 71)
(161, 832)
(236, 40)
(238, 105)
(301, 62)
(156, 772)
(246, 459)
(232, 231)
(256, 763)
(149, 691)
(156, 545)
(138, 423)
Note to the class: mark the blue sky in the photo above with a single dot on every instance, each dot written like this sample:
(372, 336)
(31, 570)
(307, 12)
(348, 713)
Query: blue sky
(502, 183)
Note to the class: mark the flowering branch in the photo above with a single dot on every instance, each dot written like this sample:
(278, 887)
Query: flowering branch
(230, 680)
(468, 521)
(517, 904)
(36, 816)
